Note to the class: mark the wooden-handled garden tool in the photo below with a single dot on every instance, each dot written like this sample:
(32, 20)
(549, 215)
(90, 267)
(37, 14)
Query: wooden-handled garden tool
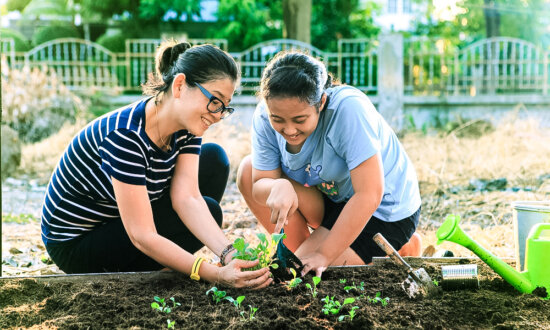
(418, 284)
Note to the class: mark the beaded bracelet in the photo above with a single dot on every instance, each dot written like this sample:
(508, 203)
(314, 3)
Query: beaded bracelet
(225, 252)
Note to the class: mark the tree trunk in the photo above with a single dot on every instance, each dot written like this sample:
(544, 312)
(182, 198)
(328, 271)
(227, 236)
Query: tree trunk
(492, 19)
(297, 20)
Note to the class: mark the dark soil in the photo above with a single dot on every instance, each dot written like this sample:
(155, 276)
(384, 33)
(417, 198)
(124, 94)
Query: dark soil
(124, 301)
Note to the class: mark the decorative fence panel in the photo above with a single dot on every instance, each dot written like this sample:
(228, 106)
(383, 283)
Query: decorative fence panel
(78, 63)
(357, 63)
(431, 67)
(140, 58)
(253, 60)
(501, 65)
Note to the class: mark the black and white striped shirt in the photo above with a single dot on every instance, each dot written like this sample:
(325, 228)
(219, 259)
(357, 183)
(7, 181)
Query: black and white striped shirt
(80, 194)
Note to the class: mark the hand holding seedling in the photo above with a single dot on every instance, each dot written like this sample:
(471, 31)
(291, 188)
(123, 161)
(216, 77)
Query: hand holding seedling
(283, 202)
(233, 275)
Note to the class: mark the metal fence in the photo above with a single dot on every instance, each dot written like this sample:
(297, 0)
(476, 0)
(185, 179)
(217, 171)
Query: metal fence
(430, 66)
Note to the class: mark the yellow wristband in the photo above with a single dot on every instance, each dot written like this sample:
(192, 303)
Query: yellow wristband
(195, 269)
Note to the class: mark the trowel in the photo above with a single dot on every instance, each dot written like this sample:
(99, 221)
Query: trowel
(285, 259)
(418, 284)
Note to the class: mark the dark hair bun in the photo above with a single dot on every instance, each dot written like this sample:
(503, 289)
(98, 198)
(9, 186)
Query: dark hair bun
(170, 56)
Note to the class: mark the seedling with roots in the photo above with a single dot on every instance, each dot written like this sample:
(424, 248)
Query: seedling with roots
(334, 306)
(263, 252)
(313, 289)
(217, 295)
(295, 281)
(161, 305)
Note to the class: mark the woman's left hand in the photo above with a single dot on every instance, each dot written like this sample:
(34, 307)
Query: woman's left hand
(314, 261)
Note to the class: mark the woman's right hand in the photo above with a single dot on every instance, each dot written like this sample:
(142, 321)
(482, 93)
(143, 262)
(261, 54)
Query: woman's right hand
(283, 202)
(232, 275)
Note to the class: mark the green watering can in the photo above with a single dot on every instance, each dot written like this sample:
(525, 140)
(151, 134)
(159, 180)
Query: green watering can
(537, 272)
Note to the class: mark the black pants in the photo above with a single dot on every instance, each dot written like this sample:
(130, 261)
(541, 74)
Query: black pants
(108, 247)
(397, 233)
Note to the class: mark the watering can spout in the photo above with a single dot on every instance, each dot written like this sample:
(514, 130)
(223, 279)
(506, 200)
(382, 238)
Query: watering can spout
(451, 231)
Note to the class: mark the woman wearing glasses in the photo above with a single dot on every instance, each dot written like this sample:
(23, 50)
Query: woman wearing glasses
(324, 158)
(135, 191)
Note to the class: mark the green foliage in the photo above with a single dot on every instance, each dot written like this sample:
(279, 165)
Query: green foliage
(263, 251)
(245, 23)
(316, 280)
(236, 302)
(360, 287)
(251, 312)
(156, 9)
(332, 306)
(54, 31)
(378, 299)
(21, 42)
(16, 5)
(114, 42)
(22, 218)
(335, 19)
(351, 314)
(295, 281)
(217, 295)
(162, 306)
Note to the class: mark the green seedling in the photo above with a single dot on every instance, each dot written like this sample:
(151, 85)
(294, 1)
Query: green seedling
(351, 314)
(161, 305)
(263, 252)
(295, 281)
(360, 287)
(342, 281)
(217, 295)
(236, 302)
(313, 289)
(334, 306)
(436, 283)
(378, 299)
(170, 324)
(251, 312)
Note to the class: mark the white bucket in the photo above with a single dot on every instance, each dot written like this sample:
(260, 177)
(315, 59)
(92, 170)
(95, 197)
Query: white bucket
(526, 215)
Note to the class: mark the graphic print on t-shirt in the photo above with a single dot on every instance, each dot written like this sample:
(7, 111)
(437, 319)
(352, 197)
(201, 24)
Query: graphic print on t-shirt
(309, 177)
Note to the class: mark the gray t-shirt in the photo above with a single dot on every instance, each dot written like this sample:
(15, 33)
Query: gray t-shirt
(350, 131)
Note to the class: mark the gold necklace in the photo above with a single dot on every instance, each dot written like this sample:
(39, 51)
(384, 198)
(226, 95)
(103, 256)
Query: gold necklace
(164, 144)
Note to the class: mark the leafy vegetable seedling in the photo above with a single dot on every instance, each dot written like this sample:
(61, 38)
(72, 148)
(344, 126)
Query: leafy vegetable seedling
(170, 324)
(263, 252)
(333, 306)
(360, 287)
(378, 299)
(252, 311)
(236, 302)
(295, 281)
(316, 280)
(217, 295)
(351, 314)
(161, 305)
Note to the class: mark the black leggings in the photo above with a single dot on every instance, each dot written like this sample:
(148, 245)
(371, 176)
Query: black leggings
(108, 247)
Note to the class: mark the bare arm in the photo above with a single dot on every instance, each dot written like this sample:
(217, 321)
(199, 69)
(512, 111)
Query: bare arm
(270, 189)
(368, 184)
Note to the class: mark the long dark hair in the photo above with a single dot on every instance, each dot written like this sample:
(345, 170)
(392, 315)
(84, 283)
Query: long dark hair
(200, 64)
(295, 74)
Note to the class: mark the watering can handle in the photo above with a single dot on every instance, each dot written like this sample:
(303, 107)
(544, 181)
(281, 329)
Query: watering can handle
(536, 231)
(390, 251)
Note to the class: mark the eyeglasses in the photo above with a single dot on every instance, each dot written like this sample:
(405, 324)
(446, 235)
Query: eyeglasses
(215, 105)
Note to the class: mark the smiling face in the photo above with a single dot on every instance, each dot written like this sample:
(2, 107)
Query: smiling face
(193, 103)
(294, 119)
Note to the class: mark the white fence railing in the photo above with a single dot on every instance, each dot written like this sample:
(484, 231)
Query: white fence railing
(430, 66)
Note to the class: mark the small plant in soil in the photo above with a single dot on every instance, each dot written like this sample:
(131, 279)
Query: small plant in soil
(360, 287)
(333, 306)
(236, 302)
(295, 281)
(170, 324)
(316, 280)
(351, 314)
(264, 251)
(251, 312)
(161, 305)
(342, 281)
(217, 295)
(378, 299)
